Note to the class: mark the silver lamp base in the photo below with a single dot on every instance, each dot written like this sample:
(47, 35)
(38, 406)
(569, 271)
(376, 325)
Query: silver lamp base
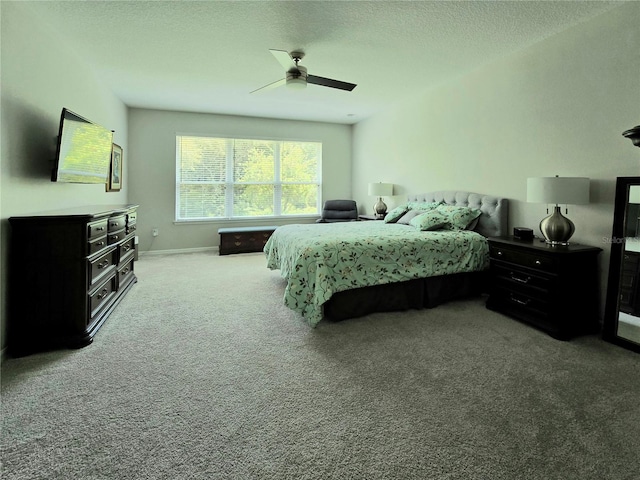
(556, 228)
(380, 208)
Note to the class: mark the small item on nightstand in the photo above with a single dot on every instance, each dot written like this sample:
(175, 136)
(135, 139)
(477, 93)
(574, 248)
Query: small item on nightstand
(522, 233)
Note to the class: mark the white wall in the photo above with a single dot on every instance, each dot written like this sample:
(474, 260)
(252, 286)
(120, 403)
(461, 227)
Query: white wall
(40, 76)
(558, 108)
(152, 168)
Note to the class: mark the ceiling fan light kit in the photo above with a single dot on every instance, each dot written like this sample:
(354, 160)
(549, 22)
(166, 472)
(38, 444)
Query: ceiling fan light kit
(296, 76)
(297, 79)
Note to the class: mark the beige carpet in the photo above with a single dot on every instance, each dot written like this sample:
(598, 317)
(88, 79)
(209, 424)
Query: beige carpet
(202, 373)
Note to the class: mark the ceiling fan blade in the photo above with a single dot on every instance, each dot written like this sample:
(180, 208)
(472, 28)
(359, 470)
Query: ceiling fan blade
(328, 82)
(271, 85)
(284, 59)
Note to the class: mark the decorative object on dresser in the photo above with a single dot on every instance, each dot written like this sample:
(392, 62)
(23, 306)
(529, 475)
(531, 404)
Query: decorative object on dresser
(69, 270)
(553, 287)
(243, 239)
(380, 190)
(633, 134)
(622, 312)
(556, 228)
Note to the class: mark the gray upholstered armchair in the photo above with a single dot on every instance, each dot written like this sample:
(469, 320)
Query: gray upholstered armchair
(339, 211)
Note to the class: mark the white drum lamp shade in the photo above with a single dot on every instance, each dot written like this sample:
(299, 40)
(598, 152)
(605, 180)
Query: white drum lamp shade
(380, 190)
(556, 228)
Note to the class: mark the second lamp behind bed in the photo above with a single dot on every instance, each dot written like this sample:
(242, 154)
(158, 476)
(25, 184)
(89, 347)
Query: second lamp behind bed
(380, 190)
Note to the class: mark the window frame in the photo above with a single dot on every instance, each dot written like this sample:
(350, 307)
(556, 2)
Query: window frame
(277, 183)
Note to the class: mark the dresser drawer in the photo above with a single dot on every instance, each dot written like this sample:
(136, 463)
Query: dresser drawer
(101, 266)
(115, 237)
(117, 223)
(96, 229)
(125, 273)
(98, 244)
(127, 247)
(101, 296)
(525, 259)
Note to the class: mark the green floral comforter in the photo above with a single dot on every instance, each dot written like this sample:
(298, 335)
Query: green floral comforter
(321, 259)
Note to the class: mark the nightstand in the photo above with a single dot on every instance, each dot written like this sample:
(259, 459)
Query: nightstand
(369, 217)
(554, 288)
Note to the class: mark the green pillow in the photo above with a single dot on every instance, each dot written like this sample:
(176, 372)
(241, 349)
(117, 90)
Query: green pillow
(458, 218)
(431, 220)
(396, 213)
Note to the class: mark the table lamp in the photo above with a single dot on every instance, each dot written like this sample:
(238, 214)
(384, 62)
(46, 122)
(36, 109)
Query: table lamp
(556, 228)
(380, 190)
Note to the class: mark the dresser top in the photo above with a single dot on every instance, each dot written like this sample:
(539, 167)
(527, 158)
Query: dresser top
(541, 246)
(87, 212)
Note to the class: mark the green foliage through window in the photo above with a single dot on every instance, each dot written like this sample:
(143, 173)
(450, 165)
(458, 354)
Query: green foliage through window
(237, 178)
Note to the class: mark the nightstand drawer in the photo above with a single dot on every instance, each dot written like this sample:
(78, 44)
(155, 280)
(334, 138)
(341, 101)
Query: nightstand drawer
(540, 262)
(523, 302)
(521, 278)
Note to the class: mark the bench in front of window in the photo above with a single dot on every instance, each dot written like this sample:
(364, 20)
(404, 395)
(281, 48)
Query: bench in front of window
(243, 239)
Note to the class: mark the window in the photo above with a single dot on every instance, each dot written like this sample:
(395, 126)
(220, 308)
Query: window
(242, 178)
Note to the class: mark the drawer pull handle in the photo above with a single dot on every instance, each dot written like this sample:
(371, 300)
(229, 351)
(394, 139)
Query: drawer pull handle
(499, 253)
(515, 278)
(99, 229)
(114, 237)
(238, 244)
(103, 264)
(520, 302)
(103, 294)
(125, 271)
(100, 244)
(127, 248)
(538, 262)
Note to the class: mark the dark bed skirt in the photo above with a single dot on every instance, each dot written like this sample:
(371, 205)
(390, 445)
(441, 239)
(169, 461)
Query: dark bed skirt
(416, 294)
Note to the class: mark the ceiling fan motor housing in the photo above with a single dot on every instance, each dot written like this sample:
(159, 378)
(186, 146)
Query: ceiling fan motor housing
(297, 77)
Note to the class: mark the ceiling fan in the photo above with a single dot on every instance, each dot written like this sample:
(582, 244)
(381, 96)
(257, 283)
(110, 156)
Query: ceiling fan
(296, 75)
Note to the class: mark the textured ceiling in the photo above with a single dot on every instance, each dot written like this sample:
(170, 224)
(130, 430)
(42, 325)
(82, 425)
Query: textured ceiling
(208, 56)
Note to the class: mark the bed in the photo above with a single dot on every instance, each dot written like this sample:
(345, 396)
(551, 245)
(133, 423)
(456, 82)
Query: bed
(345, 270)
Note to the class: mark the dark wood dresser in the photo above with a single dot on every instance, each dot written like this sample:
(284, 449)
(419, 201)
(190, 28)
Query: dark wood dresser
(554, 288)
(68, 271)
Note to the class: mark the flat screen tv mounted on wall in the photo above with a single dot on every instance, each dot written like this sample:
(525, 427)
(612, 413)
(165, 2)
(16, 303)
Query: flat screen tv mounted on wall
(83, 154)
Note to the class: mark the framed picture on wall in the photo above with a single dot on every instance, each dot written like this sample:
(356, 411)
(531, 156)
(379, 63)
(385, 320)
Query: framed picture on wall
(115, 172)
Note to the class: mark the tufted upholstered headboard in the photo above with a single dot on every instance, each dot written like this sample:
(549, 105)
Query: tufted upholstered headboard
(495, 210)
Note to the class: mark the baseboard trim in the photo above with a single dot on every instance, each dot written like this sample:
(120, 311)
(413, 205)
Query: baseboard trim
(179, 250)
